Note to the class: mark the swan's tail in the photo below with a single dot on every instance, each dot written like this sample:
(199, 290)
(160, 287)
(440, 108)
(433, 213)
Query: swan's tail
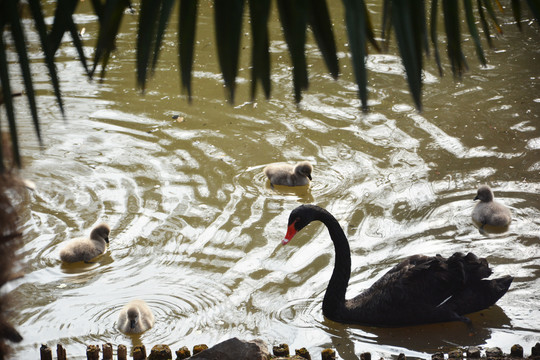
(475, 293)
(481, 295)
(498, 287)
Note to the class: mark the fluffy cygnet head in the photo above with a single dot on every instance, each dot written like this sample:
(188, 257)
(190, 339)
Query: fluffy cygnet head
(484, 194)
(133, 317)
(304, 168)
(101, 232)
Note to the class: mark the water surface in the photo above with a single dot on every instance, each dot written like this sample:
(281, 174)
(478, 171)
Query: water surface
(196, 230)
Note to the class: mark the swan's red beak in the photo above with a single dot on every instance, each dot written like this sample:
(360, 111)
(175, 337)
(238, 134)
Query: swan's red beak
(291, 231)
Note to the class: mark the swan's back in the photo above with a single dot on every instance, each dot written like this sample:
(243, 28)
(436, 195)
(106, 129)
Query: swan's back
(423, 289)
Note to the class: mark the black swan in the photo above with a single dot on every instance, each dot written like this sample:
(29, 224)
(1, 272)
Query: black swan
(420, 289)
(488, 211)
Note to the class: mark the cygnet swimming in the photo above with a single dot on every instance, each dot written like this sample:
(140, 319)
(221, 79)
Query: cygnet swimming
(85, 249)
(135, 317)
(289, 175)
(488, 211)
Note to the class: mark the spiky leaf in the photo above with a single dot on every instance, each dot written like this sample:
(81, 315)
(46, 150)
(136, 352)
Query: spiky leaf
(186, 40)
(259, 11)
(292, 14)
(228, 26)
(321, 25)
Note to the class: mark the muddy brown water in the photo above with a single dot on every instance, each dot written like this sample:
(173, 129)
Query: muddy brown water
(196, 230)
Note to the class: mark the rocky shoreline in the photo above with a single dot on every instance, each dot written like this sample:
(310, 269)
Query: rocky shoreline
(235, 349)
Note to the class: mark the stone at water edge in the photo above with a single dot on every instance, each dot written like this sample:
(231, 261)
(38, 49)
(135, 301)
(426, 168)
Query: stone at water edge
(235, 349)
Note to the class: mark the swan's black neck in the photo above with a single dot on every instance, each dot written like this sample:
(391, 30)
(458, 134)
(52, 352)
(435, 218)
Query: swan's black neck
(334, 299)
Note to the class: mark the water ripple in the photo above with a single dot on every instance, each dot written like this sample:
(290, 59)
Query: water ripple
(197, 228)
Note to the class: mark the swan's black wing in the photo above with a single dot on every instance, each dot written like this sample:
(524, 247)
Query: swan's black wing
(424, 289)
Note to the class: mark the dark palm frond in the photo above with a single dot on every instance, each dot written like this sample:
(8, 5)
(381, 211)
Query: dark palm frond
(63, 22)
(228, 17)
(186, 41)
(420, 27)
(534, 5)
(106, 55)
(110, 21)
(20, 45)
(359, 32)
(39, 22)
(75, 36)
(483, 21)
(321, 25)
(489, 8)
(8, 101)
(420, 30)
(11, 20)
(406, 17)
(370, 32)
(259, 11)
(99, 9)
(453, 37)
(410, 30)
(63, 16)
(148, 18)
(516, 11)
(473, 30)
(355, 19)
(386, 24)
(153, 19)
(164, 15)
(433, 34)
(293, 19)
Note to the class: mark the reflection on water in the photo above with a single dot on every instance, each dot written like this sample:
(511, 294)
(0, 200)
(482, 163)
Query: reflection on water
(196, 228)
(434, 336)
